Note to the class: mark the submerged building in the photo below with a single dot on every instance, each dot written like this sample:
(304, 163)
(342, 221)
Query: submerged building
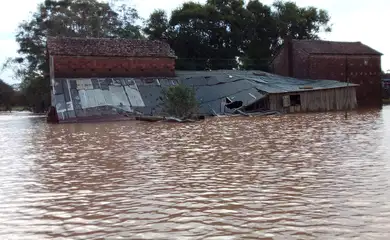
(352, 62)
(254, 91)
(111, 79)
(95, 77)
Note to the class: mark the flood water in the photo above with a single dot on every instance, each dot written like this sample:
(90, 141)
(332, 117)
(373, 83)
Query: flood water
(314, 176)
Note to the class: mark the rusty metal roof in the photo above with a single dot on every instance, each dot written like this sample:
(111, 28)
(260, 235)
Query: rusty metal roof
(331, 47)
(108, 47)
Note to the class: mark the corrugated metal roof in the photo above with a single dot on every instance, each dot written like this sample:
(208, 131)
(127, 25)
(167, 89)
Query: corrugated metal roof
(262, 81)
(213, 86)
(331, 47)
(246, 86)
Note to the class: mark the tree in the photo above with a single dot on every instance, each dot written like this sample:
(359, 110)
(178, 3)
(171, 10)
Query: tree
(180, 101)
(260, 34)
(10, 97)
(189, 36)
(69, 18)
(157, 25)
(300, 22)
(207, 36)
(214, 34)
(6, 95)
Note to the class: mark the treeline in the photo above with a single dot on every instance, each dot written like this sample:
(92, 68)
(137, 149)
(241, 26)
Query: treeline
(213, 35)
(10, 97)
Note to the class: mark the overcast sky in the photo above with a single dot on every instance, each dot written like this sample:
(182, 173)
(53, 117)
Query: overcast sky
(353, 20)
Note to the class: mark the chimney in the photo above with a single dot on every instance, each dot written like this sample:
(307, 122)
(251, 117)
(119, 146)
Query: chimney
(290, 58)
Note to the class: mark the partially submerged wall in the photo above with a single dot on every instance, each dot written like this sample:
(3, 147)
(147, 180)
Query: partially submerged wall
(314, 101)
(217, 93)
(78, 99)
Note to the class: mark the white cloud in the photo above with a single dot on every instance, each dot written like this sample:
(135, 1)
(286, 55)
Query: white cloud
(359, 20)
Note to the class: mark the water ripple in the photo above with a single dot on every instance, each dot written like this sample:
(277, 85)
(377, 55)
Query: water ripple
(315, 176)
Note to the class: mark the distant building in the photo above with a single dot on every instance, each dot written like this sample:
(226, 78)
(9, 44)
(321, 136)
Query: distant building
(351, 62)
(386, 86)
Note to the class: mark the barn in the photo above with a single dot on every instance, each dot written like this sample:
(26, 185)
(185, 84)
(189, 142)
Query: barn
(95, 78)
(112, 79)
(352, 62)
(256, 91)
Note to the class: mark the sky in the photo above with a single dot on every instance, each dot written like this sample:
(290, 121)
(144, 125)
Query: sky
(352, 20)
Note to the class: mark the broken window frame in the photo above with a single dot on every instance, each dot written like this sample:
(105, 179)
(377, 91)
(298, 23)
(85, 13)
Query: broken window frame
(295, 100)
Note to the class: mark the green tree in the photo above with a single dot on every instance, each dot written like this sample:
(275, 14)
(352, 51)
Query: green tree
(6, 96)
(260, 34)
(157, 25)
(69, 18)
(180, 101)
(189, 36)
(300, 22)
(214, 34)
(207, 36)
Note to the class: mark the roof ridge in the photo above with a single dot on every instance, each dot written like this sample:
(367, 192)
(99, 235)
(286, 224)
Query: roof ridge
(321, 40)
(102, 38)
(316, 46)
(74, 46)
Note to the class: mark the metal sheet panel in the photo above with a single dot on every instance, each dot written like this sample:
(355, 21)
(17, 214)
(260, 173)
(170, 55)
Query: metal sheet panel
(135, 97)
(99, 97)
(119, 98)
(84, 84)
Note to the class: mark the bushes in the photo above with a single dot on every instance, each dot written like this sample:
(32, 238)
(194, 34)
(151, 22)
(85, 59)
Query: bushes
(180, 101)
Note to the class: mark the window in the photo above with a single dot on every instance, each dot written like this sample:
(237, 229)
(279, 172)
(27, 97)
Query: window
(295, 100)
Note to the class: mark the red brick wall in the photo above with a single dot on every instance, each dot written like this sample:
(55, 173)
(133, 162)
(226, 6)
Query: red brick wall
(280, 63)
(366, 71)
(327, 67)
(300, 63)
(362, 70)
(75, 67)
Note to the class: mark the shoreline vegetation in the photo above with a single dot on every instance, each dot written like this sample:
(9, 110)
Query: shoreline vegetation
(16, 109)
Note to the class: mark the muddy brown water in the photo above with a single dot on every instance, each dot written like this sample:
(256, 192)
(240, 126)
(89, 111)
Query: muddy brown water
(315, 176)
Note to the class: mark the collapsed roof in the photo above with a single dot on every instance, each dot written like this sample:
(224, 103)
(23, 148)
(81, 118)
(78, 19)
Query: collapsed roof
(246, 86)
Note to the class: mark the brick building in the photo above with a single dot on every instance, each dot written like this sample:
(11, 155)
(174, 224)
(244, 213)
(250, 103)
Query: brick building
(103, 57)
(343, 61)
(94, 78)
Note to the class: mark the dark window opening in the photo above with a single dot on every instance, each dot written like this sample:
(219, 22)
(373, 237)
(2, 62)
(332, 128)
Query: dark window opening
(295, 100)
(235, 104)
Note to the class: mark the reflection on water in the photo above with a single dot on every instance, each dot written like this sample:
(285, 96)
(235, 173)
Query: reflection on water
(285, 177)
